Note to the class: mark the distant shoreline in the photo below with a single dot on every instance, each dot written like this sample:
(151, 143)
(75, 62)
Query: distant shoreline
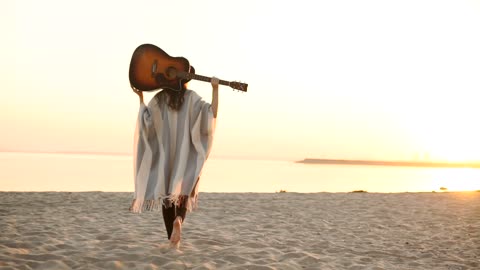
(389, 163)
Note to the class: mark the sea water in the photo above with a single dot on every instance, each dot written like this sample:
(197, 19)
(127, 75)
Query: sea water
(114, 173)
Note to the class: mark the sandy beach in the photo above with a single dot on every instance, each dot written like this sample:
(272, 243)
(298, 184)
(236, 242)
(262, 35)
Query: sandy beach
(94, 230)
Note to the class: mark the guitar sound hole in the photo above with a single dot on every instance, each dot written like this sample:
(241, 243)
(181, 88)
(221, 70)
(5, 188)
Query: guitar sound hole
(171, 73)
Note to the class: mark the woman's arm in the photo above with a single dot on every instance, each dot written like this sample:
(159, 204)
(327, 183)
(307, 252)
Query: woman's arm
(214, 81)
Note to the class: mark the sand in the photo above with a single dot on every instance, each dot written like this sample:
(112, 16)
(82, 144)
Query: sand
(94, 230)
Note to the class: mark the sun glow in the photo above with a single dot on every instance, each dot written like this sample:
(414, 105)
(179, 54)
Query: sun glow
(446, 131)
(450, 148)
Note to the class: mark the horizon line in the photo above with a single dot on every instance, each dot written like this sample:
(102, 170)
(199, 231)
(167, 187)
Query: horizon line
(68, 152)
(333, 161)
(127, 154)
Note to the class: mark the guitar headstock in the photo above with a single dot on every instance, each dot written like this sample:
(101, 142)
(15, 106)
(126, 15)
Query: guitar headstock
(239, 86)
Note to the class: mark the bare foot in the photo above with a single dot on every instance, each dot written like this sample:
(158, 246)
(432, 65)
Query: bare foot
(176, 233)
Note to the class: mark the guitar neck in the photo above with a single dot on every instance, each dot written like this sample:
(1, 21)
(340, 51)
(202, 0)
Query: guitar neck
(234, 85)
(204, 78)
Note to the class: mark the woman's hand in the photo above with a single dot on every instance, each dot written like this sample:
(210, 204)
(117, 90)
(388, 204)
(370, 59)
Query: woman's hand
(214, 81)
(138, 92)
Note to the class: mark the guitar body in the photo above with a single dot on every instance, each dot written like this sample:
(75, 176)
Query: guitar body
(151, 68)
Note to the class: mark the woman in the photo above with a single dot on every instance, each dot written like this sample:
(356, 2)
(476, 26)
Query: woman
(173, 139)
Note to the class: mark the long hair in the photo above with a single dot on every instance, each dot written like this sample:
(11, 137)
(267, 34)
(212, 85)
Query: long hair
(174, 99)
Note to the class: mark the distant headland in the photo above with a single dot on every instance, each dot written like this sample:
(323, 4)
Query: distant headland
(390, 163)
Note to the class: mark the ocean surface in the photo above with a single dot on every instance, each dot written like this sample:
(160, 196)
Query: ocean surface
(80, 172)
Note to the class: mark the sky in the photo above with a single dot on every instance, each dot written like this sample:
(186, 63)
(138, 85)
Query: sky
(396, 80)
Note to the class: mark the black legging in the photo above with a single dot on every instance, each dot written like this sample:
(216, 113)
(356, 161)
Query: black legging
(171, 212)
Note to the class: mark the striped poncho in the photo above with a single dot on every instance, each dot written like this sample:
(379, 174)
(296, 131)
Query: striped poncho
(171, 148)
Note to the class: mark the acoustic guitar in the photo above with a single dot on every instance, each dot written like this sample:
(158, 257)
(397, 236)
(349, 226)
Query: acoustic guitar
(151, 68)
